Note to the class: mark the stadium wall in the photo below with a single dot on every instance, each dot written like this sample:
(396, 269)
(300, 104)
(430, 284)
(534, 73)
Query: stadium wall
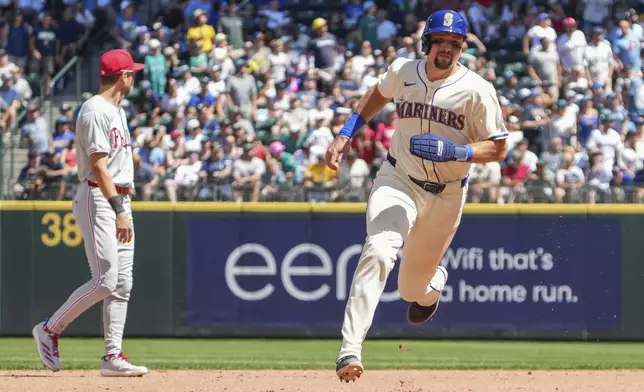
(284, 270)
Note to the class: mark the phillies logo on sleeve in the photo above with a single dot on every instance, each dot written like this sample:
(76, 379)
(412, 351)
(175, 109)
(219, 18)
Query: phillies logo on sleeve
(120, 138)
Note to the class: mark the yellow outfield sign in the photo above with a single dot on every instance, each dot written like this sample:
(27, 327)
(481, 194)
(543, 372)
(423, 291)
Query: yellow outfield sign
(489, 209)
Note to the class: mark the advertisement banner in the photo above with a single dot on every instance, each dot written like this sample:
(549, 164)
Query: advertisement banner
(505, 272)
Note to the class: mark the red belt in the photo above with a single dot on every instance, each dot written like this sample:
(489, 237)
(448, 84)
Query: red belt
(121, 190)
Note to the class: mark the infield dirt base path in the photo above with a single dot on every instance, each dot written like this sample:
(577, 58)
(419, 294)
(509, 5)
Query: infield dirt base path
(325, 381)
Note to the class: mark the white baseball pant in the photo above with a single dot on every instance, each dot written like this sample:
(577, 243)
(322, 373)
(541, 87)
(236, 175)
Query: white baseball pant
(399, 211)
(110, 263)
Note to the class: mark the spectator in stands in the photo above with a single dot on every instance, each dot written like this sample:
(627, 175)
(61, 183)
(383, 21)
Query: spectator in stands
(232, 25)
(322, 46)
(54, 175)
(545, 68)
(73, 36)
(273, 182)
(156, 68)
(29, 180)
(184, 185)
(484, 182)
(241, 91)
(126, 24)
(537, 33)
(247, 175)
(36, 132)
(353, 179)
(46, 51)
(201, 32)
(515, 174)
(17, 34)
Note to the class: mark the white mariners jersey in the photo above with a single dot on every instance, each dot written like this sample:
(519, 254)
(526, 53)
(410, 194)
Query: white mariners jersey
(102, 127)
(463, 108)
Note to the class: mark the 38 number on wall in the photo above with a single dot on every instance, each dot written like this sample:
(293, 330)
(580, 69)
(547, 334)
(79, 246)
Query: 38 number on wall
(60, 229)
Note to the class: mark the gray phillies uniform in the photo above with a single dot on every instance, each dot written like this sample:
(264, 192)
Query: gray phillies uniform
(102, 128)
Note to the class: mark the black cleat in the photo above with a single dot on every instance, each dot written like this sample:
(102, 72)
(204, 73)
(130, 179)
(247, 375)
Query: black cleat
(418, 314)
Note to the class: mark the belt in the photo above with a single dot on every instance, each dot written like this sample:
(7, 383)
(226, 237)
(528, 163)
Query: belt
(429, 186)
(121, 190)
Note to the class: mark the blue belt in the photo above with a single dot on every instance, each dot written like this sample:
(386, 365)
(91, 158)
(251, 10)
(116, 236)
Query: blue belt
(429, 186)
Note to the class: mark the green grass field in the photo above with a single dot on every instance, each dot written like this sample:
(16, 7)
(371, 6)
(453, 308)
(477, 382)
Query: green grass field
(320, 354)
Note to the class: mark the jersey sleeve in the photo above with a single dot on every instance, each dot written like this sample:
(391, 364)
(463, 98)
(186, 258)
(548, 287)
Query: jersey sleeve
(389, 83)
(96, 126)
(488, 118)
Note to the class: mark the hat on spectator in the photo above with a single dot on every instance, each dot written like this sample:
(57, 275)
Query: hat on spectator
(318, 23)
(368, 4)
(197, 13)
(155, 43)
(524, 93)
(116, 61)
(543, 16)
(220, 37)
(598, 30)
(193, 123)
(125, 4)
(569, 21)
(277, 147)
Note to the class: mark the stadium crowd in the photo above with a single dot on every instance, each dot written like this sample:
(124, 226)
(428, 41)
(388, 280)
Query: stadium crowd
(239, 102)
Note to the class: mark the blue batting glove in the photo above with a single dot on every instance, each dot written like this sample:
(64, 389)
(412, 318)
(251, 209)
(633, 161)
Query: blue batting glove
(438, 149)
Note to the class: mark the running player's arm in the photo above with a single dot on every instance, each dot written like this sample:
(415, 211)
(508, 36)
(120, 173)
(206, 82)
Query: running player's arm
(98, 149)
(489, 127)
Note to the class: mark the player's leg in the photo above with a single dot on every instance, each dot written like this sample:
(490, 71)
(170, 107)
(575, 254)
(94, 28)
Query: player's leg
(391, 212)
(420, 279)
(114, 363)
(95, 219)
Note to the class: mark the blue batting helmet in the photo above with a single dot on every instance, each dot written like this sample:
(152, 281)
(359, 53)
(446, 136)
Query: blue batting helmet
(443, 21)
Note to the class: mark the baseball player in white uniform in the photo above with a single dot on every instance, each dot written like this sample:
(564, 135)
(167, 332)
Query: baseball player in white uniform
(103, 212)
(448, 118)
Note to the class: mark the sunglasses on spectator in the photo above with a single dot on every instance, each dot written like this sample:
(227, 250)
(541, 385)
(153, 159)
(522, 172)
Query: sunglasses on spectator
(453, 44)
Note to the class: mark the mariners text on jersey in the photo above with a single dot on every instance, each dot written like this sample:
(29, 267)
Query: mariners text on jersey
(405, 109)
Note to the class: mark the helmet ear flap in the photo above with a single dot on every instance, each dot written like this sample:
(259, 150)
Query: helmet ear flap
(426, 44)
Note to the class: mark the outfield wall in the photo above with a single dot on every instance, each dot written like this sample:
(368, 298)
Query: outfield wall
(282, 270)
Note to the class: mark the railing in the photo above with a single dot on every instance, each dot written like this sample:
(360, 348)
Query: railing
(74, 61)
(169, 190)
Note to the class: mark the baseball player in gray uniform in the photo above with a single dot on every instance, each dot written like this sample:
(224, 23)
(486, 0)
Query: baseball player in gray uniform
(448, 118)
(103, 212)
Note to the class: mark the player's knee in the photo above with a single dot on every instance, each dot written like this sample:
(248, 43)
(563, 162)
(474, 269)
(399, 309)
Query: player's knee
(409, 292)
(124, 287)
(107, 283)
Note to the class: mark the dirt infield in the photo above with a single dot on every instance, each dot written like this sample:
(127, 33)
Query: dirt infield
(324, 381)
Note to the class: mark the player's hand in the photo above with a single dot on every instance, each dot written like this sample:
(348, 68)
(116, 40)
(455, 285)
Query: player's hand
(124, 231)
(340, 145)
(436, 148)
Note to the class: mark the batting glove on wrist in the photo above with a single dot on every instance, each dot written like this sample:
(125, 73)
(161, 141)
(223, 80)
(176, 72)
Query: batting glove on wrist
(438, 149)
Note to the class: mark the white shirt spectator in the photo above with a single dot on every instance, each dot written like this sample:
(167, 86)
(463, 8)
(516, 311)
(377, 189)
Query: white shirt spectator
(356, 175)
(598, 60)
(630, 160)
(253, 167)
(572, 175)
(320, 137)
(608, 143)
(530, 159)
(486, 172)
(188, 173)
(565, 125)
(572, 49)
(360, 64)
(279, 63)
(536, 33)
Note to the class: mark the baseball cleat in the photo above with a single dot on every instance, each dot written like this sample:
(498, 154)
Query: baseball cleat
(117, 365)
(47, 344)
(418, 314)
(349, 368)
